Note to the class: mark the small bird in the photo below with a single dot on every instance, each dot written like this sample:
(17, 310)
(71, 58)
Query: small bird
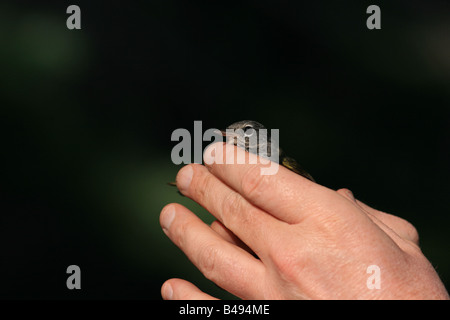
(250, 128)
(241, 135)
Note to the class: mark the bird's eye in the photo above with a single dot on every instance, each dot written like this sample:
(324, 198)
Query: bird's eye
(248, 131)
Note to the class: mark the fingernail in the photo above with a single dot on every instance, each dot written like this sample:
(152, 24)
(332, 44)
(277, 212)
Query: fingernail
(209, 155)
(184, 178)
(167, 291)
(167, 217)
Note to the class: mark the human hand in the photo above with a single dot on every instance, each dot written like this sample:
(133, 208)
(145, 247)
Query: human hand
(284, 237)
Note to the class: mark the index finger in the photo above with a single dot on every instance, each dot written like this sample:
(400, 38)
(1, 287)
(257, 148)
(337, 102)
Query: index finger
(284, 194)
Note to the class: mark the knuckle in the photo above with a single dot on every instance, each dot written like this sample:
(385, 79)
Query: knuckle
(346, 193)
(410, 231)
(288, 262)
(253, 182)
(231, 204)
(203, 186)
(231, 210)
(402, 227)
(236, 212)
(208, 259)
(180, 233)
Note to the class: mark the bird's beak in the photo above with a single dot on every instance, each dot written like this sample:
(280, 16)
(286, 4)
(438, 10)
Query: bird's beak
(220, 132)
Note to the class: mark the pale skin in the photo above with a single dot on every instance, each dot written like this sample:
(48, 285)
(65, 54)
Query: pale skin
(284, 237)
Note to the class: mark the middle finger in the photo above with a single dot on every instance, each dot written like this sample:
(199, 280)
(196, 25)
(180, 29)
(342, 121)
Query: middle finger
(252, 225)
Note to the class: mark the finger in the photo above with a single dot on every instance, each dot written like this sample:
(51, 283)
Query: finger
(284, 194)
(227, 265)
(347, 194)
(388, 222)
(402, 227)
(179, 289)
(229, 236)
(252, 225)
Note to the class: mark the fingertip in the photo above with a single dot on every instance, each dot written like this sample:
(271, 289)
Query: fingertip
(167, 216)
(167, 290)
(179, 289)
(184, 177)
(347, 193)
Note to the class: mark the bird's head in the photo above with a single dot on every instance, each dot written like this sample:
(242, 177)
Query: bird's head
(246, 134)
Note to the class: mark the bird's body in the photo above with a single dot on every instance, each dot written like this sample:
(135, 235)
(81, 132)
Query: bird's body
(293, 165)
(242, 133)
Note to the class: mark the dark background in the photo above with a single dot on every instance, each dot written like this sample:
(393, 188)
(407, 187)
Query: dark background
(87, 115)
